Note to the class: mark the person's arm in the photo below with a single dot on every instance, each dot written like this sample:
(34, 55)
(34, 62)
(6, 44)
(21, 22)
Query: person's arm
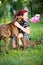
(26, 30)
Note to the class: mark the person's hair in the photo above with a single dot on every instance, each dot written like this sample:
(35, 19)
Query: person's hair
(21, 12)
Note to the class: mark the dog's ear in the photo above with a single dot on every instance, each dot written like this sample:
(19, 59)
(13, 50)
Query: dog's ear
(19, 17)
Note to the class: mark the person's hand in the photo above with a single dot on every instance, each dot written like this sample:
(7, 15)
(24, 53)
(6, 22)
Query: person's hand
(20, 35)
(17, 24)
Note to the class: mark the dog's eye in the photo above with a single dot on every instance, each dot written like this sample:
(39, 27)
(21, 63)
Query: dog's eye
(17, 18)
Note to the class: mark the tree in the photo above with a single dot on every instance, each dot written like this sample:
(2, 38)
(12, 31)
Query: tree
(39, 3)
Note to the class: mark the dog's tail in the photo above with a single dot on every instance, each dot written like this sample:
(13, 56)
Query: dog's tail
(39, 41)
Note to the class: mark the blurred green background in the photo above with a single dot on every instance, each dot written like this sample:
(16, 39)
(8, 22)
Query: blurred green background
(34, 7)
(32, 55)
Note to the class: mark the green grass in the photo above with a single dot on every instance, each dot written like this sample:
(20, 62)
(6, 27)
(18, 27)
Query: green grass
(37, 30)
(30, 56)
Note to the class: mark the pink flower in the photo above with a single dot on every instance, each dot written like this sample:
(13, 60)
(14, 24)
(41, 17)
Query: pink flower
(35, 18)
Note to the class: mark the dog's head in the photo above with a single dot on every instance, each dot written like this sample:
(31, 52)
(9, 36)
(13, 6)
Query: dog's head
(19, 18)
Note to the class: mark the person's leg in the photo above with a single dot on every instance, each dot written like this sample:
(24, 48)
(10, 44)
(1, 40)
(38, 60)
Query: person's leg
(14, 42)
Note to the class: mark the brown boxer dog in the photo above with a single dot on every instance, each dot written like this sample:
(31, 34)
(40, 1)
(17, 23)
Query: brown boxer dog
(9, 31)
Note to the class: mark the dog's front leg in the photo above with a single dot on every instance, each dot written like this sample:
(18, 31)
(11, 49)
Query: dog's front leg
(17, 42)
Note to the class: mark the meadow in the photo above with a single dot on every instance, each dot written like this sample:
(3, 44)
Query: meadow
(30, 56)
